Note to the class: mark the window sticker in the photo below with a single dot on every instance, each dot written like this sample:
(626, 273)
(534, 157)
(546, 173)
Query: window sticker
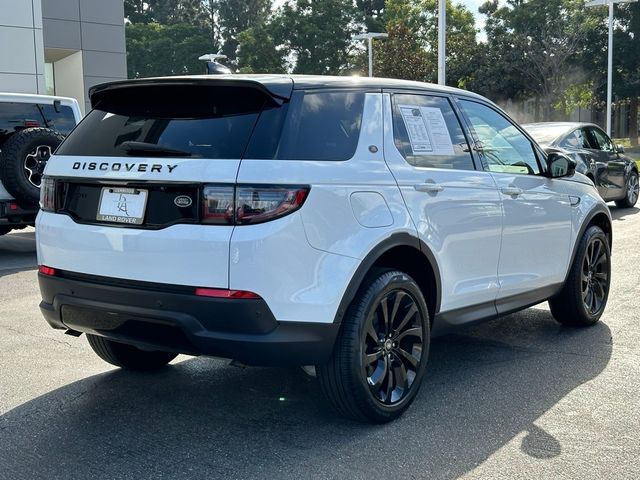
(427, 130)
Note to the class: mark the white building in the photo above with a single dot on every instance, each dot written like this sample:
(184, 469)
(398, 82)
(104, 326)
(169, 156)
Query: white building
(61, 47)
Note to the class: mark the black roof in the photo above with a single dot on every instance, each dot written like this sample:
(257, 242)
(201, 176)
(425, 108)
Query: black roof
(278, 86)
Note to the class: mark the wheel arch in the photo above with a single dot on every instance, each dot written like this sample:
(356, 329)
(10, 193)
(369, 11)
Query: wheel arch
(598, 216)
(405, 252)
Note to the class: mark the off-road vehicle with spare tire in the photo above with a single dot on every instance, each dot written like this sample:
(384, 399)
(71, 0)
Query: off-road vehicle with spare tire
(31, 128)
(325, 221)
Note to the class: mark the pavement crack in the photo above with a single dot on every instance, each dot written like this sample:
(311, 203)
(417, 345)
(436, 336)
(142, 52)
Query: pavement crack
(31, 335)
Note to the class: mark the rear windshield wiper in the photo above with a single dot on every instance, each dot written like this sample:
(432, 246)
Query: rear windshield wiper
(151, 149)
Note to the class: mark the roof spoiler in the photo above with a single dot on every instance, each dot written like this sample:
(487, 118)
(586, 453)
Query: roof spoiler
(277, 88)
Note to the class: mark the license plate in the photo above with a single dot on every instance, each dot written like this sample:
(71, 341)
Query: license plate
(122, 205)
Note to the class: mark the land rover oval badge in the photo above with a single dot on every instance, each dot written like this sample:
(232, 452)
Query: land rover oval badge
(182, 201)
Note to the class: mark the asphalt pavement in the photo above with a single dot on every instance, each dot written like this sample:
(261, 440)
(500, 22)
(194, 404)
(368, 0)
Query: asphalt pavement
(516, 398)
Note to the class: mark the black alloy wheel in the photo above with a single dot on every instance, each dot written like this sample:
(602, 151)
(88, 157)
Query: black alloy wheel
(392, 347)
(595, 276)
(381, 352)
(632, 189)
(583, 298)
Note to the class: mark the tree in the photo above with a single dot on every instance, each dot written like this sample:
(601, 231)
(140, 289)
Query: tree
(165, 12)
(155, 50)
(259, 52)
(540, 49)
(401, 56)
(627, 62)
(373, 13)
(236, 16)
(316, 34)
(416, 23)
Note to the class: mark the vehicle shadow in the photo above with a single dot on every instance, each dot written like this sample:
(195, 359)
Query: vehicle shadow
(17, 252)
(201, 418)
(620, 213)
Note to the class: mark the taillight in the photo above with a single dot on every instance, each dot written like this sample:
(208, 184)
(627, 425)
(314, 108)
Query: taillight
(48, 194)
(263, 203)
(249, 204)
(218, 204)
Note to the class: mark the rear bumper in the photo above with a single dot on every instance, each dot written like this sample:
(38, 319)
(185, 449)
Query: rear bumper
(174, 319)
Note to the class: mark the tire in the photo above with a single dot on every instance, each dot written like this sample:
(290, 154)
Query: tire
(4, 230)
(22, 161)
(367, 389)
(632, 188)
(128, 356)
(584, 295)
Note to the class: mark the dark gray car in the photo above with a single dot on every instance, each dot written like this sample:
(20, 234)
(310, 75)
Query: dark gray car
(614, 174)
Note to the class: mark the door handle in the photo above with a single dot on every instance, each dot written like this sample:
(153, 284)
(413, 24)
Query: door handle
(513, 191)
(428, 187)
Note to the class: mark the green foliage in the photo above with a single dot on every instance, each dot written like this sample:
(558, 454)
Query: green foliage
(317, 34)
(401, 56)
(575, 96)
(259, 52)
(415, 22)
(155, 50)
(236, 16)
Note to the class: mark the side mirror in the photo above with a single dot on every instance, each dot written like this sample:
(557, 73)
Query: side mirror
(619, 148)
(560, 165)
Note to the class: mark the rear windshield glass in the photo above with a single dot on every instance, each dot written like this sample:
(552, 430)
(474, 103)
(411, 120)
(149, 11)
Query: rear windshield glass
(61, 120)
(223, 123)
(545, 134)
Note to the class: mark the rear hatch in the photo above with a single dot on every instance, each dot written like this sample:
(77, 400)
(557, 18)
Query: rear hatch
(137, 185)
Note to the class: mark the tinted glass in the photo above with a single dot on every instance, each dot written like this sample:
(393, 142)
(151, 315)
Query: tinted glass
(545, 134)
(604, 143)
(18, 115)
(103, 134)
(213, 123)
(62, 121)
(322, 126)
(427, 133)
(503, 146)
(576, 139)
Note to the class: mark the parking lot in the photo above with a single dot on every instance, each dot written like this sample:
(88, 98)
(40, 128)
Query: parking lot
(519, 397)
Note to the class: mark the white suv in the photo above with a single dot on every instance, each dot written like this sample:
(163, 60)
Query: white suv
(335, 222)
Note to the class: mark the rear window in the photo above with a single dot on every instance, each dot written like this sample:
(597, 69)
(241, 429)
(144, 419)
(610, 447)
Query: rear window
(223, 123)
(61, 120)
(15, 116)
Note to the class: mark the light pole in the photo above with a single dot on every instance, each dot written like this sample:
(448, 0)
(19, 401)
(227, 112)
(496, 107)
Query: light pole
(610, 3)
(369, 37)
(442, 41)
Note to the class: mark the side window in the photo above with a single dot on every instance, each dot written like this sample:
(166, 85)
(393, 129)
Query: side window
(604, 143)
(504, 147)
(576, 139)
(427, 133)
(62, 121)
(322, 125)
